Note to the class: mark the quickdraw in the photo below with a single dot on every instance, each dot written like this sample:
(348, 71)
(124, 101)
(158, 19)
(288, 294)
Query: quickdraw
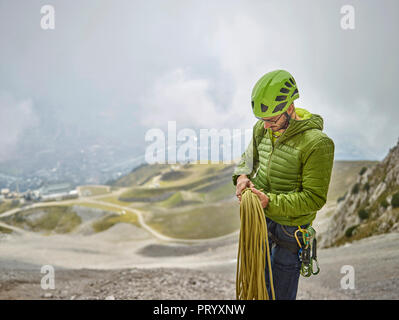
(307, 254)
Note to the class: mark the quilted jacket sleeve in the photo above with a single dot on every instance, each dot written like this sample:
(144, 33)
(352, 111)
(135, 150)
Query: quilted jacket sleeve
(316, 175)
(248, 160)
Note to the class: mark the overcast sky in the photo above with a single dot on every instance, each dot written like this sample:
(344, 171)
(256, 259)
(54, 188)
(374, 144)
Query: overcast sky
(119, 68)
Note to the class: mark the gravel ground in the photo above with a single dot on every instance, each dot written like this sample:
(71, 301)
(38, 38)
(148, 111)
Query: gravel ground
(137, 284)
(104, 268)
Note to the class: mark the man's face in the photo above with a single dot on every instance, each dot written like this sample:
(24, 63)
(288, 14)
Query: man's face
(275, 123)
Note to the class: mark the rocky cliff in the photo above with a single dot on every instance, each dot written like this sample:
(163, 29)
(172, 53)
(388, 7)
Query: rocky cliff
(370, 206)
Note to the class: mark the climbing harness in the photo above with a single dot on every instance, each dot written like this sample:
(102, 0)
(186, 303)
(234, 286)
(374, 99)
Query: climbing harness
(308, 253)
(252, 251)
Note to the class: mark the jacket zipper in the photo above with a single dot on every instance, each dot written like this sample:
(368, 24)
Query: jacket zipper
(268, 165)
(271, 153)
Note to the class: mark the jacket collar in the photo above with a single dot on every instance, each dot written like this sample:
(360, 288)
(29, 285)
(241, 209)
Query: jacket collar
(309, 121)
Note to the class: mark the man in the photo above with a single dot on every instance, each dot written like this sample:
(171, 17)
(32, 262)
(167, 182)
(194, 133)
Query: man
(288, 166)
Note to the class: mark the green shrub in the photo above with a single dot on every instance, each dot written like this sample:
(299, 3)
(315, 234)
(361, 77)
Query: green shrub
(362, 170)
(366, 187)
(356, 188)
(363, 214)
(395, 200)
(349, 231)
(384, 203)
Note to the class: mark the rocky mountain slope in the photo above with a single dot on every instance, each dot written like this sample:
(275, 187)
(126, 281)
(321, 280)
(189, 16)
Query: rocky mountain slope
(370, 206)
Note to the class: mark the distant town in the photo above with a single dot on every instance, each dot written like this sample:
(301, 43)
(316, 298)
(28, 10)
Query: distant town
(48, 192)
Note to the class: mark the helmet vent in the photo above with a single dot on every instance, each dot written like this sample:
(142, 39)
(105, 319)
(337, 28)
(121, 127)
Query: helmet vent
(288, 84)
(281, 98)
(264, 107)
(284, 90)
(292, 81)
(295, 92)
(253, 104)
(279, 107)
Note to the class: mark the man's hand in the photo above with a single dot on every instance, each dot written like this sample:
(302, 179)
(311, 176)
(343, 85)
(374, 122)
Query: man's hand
(242, 183)
(264, 199)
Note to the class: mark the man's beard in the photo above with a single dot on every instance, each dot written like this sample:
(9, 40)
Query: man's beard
(285, 124)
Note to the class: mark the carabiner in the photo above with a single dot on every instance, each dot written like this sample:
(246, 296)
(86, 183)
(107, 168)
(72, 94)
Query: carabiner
(317, 265)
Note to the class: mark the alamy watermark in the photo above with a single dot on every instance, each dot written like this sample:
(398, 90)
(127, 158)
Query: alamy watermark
(48, 280)
(47, 21)
(348, 281)
(185, 145)
(348, 17)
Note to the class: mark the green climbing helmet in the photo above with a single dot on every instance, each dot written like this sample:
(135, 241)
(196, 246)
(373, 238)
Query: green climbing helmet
(273, 94)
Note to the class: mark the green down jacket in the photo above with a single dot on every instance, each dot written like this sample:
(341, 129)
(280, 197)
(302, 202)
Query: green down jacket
(294, 173)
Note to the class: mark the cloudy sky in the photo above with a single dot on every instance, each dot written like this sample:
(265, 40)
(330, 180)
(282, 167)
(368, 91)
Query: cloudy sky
(119, 68)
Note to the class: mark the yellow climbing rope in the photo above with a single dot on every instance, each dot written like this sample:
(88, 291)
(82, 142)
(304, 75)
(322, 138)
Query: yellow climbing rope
(252, 250)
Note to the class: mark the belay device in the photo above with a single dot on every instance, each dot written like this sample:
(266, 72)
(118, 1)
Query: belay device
(308, 253)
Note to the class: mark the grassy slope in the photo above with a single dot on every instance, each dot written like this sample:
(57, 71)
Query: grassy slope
(192, 207)
(5, 230)
(140, 175)
(198, 222)
(9, 204)
(94, 190)
(173, 201)
(60, 219)
(109, 221)
(194, 178)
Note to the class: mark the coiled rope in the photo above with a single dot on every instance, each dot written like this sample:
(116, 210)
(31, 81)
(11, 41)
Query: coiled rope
(252, 251)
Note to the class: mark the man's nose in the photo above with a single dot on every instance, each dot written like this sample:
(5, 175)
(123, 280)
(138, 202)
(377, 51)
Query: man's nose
(266, 125)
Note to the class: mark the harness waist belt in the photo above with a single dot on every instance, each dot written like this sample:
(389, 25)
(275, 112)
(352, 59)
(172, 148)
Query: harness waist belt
(292, 246)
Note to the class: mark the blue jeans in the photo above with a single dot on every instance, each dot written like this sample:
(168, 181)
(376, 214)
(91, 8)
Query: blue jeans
(285, 264)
